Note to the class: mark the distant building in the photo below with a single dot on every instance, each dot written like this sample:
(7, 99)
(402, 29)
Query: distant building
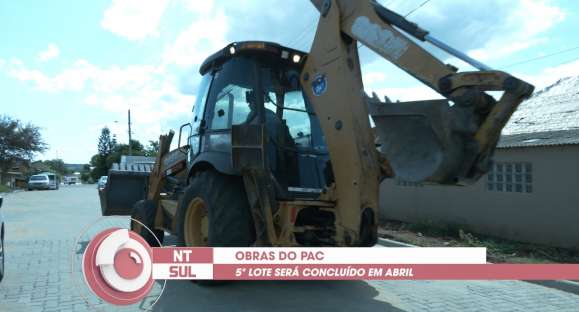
(532, 192)
(75, 167)
(134, 163)
(14, 176)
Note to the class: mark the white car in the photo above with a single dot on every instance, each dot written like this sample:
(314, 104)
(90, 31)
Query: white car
(43, 181)
(102, 182)
(1, 242)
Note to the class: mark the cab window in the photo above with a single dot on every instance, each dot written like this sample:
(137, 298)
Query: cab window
(229, 94)
(297, 118)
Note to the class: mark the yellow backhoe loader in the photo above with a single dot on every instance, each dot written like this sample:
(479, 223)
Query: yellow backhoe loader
(280, 150)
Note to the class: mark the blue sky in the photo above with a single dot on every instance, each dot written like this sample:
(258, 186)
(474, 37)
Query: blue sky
(72, 67)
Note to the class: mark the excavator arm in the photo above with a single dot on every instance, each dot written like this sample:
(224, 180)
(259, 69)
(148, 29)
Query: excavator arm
(448, 141)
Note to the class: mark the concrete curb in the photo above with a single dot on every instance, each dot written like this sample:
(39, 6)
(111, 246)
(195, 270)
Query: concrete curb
(563, 285)
(392, 243)
(567, 286)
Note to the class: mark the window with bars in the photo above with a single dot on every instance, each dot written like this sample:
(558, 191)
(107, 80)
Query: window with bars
(511, 177)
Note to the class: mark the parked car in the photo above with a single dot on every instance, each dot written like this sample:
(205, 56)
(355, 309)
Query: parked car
(43, 181)
(70, 180)
(102, 182)
(1, 242)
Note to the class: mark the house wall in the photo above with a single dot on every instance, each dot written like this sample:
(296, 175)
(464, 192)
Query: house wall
(548, 215)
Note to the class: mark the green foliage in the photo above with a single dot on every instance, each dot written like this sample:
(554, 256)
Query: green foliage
(430, 228)
(106, 144)
(153, 149)
(18, 141)
(99, 167)
(137, 149)
(55, 165)
(85, 175)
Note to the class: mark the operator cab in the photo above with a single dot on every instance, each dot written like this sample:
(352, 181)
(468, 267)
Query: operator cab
(259, 83)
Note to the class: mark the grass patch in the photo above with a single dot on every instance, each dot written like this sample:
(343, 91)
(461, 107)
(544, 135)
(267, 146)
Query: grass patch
(4, 189)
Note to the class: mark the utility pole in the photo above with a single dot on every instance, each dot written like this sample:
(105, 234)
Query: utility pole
(130, 139)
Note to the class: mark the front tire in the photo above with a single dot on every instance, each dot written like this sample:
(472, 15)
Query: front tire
(214, 211)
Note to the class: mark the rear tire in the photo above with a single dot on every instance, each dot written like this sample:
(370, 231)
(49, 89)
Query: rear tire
(226, 211)
(144, 211)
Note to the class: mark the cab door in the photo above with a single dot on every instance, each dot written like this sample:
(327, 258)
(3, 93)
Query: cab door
(199, 123)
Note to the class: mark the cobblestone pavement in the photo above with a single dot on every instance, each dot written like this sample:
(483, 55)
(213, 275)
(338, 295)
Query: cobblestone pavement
(38, 277)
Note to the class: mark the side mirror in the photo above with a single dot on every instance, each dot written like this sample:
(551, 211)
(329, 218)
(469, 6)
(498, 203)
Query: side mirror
(184, 149)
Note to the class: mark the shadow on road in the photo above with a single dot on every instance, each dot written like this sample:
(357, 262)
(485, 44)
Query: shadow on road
(272, 296)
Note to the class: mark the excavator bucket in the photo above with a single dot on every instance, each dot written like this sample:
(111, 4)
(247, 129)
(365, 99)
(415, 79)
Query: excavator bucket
(443, 141)
(420, 140)
(133, 179)
(127, 184)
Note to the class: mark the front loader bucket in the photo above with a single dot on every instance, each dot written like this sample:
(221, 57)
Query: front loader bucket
(125, 186)
(424, 141)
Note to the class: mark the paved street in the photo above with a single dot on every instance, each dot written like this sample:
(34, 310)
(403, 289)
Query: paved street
(42, 228)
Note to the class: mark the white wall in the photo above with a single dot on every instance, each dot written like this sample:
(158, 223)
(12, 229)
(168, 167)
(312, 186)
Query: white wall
(549, 215)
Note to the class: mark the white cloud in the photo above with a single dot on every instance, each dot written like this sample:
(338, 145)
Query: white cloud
(200, 7)
(134, 19)
(550, 75)
(488, 30)
(372, 78)
(525, 27)
(202, 38)
(51, 52)
(149, 91)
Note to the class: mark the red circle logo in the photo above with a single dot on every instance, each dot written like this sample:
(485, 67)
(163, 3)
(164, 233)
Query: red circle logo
(117, 266)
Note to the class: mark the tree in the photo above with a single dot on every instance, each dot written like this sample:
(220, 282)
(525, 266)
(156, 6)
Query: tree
(105, 146)
(153, 149)
(85, 176)
(99, 167)
(137, 149)
(54, 165)
(114, 142)
(18, 142)
(113, 151)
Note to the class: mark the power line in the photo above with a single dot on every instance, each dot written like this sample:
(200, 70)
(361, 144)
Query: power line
(303, 40)
(568, 61)
(302, 35)
(417, 8)
(298, 40)
(541, 57)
